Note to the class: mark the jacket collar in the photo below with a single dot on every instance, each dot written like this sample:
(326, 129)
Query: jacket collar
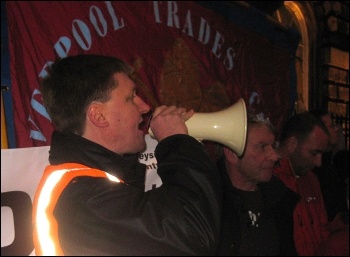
(69, 147)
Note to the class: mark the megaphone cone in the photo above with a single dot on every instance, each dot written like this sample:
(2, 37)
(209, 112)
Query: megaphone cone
(227, 127)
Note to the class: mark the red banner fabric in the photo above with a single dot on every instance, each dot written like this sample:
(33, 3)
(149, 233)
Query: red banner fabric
(183, 54)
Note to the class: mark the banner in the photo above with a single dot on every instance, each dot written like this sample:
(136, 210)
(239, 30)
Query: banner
(21, 170)
(183, 54)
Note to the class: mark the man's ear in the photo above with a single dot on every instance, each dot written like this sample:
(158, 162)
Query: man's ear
(230, 155)
(95, 114)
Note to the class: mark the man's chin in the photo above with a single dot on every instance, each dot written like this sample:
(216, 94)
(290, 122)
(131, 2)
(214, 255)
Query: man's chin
(143, 146)
(267, 178)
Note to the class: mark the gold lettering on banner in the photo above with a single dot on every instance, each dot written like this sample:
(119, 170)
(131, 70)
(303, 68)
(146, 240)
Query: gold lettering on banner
(180, 82)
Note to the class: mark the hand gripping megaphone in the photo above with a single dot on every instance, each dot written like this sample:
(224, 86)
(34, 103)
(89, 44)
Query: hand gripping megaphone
(227, 127)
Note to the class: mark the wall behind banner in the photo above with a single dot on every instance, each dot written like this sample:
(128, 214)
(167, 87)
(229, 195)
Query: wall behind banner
(221, 55)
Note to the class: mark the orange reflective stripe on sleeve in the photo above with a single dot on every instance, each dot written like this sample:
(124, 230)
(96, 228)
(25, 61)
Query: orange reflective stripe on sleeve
(52, 184)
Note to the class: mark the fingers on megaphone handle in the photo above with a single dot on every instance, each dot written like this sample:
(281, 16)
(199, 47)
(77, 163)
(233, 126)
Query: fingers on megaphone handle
(165, 110)
(154, 113)
(173, 110)
(186, 115)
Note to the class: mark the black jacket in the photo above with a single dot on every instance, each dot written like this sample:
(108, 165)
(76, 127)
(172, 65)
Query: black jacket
(279, 201)
(181, 217)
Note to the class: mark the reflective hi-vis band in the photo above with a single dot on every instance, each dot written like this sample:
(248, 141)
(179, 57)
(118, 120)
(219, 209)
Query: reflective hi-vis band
(51, 185)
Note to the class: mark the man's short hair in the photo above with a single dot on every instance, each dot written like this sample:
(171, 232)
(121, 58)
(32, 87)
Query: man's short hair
(300, 126)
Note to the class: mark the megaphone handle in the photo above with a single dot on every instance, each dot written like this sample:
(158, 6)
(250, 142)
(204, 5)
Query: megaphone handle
(150, 132)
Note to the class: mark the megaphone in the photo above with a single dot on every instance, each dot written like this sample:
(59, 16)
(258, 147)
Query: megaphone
(227, 127)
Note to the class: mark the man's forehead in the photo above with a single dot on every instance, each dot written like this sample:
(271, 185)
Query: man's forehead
(317, 140)
(260, 134)
(123, 80)
(319, 133)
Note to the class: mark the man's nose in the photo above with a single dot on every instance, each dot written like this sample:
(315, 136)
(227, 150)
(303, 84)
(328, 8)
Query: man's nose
(272, 154)
(318, 160)
(143, 106)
